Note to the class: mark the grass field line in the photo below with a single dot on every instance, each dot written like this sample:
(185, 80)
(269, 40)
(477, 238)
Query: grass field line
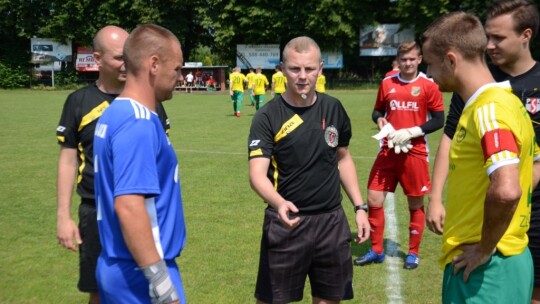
(393, 261)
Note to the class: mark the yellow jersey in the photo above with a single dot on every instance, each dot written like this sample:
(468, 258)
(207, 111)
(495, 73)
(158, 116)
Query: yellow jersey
(236, 81)
(321, 82)
(260, 82)
(494, 130)
(279, 81)
(250, 78)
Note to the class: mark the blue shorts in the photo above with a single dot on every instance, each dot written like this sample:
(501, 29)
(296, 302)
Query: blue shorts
(121, 281)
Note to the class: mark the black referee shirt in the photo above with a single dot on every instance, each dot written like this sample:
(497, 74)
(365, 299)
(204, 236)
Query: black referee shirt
(302, 146)
(76, 130)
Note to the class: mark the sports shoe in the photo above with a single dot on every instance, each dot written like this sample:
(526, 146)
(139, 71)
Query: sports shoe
(370, 257)
(237, 114)
(411, 261)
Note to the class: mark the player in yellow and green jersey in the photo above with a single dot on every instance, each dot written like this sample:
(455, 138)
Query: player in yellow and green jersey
(236, 90)
(321, 82)
(279, 82)
(250, 77)
(259, 88)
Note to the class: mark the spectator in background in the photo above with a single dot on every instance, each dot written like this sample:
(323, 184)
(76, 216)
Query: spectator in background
(198, 78)
(211, 84)
(189, 82)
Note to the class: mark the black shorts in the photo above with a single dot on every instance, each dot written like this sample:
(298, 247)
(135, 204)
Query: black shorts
(319, 247)
(89, 249)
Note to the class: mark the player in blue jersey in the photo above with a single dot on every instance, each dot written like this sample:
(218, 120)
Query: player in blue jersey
(139, 205)
(75, 134)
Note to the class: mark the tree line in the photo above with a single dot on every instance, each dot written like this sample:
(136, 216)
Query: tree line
(213, 28)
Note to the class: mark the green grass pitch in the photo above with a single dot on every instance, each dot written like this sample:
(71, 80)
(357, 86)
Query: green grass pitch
(223, 214)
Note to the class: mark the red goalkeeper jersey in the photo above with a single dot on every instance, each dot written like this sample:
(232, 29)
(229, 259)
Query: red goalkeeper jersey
(408, 103)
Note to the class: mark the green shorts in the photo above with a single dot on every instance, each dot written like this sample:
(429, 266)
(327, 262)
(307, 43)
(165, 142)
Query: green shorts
(238, 96)
(503, 279)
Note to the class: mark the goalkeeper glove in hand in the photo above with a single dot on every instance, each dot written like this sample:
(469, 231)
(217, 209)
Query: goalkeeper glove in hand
(403, 135)
(161, 287)
(398, 148)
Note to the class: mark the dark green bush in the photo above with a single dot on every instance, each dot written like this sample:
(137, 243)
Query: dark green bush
(13, 77)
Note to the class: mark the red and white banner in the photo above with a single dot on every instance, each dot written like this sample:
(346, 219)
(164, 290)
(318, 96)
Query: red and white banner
(85, 60)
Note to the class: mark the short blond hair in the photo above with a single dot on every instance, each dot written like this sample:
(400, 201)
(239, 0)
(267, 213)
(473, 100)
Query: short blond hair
(301, 44)
(147, 40)
(459, 31)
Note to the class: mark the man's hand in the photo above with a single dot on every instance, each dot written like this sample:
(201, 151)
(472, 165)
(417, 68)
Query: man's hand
(286, 212)
(470, 259)
(67, 234)
(401, 136)
(364, 229)
(435, 216)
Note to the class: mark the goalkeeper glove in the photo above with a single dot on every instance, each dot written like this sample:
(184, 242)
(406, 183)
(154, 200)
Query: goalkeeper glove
(401, 136)
(398, 148)
(161, 287)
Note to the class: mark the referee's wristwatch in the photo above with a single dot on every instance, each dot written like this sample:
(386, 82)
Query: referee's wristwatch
(361, 207)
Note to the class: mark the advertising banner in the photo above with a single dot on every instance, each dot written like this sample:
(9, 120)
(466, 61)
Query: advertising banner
(332, 60)
(265, 56)
(85, 60)
(383, 39)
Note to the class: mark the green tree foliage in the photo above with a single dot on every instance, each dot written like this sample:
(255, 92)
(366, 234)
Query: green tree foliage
(217, 25)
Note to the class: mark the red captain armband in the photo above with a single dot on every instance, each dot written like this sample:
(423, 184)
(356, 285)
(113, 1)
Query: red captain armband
(498, 140)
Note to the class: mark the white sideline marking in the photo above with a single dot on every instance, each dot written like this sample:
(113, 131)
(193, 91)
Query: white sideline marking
(393, 262)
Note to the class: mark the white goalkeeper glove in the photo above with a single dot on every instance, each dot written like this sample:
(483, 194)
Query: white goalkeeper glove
(401, 136)
(161, 288)
(398, 148)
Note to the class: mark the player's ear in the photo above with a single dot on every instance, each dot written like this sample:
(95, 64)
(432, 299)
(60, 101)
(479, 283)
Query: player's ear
(451, 58)
(154, 64)
(97, 58)
(526, 35)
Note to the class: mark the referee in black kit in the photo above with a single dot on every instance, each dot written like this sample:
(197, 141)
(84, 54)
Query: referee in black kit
(298, 157)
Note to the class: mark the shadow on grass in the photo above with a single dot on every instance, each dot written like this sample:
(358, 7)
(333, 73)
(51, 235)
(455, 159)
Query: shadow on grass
(391, 248)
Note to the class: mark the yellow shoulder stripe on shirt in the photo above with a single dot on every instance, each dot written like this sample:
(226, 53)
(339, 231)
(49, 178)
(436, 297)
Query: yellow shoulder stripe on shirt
(257, 152)
(289, 126)
(93, 115)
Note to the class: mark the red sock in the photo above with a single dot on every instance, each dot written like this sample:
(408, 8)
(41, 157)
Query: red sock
(416, 229)
(376, 220)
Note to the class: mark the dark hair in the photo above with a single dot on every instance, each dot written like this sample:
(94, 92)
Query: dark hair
(524, 14)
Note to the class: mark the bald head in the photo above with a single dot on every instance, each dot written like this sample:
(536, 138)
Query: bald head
(107, 35)
(108, 46)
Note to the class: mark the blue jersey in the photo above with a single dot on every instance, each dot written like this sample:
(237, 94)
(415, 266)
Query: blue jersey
(133, 155)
